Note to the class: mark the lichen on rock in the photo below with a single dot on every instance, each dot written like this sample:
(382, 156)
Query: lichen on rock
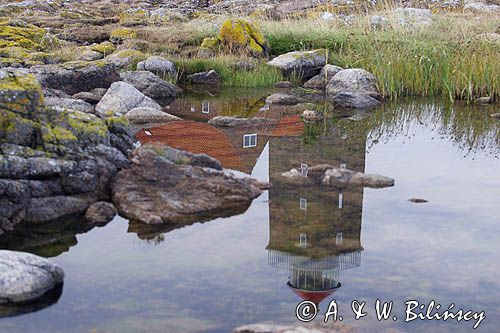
(238, 36)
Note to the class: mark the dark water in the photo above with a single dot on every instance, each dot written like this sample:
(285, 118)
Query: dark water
(221, 274)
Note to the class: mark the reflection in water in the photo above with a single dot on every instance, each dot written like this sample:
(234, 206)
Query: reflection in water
(47, 240)
(304, 237)
(48, 299)
(314, 231)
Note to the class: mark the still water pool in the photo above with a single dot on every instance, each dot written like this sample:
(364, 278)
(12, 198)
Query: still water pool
(215, 276)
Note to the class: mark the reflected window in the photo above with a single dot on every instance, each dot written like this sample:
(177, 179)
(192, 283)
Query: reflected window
(303, 240)
(249, 140)
(193, 109)
(303, 204)
(205, 107)
(338, 239)
(341, 200)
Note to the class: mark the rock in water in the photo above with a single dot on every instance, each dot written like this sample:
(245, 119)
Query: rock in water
(26, 277)
(283, 99)
(304, 63)
(157, 190)
(144, 115)
(353, 89)
(122, 97)
(100, 213)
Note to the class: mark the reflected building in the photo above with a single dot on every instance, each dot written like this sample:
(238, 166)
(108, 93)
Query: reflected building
(314, 231)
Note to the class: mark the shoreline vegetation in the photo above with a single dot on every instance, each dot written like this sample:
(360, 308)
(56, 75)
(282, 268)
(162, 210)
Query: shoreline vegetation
(455, 56)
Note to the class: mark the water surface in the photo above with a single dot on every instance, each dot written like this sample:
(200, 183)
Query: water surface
(228, 272)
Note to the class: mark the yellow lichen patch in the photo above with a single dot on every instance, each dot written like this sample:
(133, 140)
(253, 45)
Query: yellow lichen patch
(243, 35)
(210, 43)
(27, 37)
(122, 34)
(104, 48)
(20, 93)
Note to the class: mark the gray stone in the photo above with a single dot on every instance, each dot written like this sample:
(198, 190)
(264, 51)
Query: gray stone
(26, 277)
(100, 213)
(92, 97)
(353, 89)
(321, 80)
(304, 63)
(144, 115)
(150, 84)
(210, 77)
(74, 77)
(159, 66)
(122, 97)
(283, 99)
(89, 55)
(69, 103)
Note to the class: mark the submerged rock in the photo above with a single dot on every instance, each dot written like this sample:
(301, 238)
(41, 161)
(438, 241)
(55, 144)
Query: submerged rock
(157, 190)
(304, 63)
(122, 97)
(100, 213)
(353, 89)
(26, 277)
(418, 200)
(144, 115)
(283, 99)
(226, 121)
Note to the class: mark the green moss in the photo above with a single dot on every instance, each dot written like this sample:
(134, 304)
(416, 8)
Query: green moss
(122, 34)
(105, 48)
(62, 135)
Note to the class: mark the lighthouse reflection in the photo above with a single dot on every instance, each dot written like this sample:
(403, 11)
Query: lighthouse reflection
(315, 230)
